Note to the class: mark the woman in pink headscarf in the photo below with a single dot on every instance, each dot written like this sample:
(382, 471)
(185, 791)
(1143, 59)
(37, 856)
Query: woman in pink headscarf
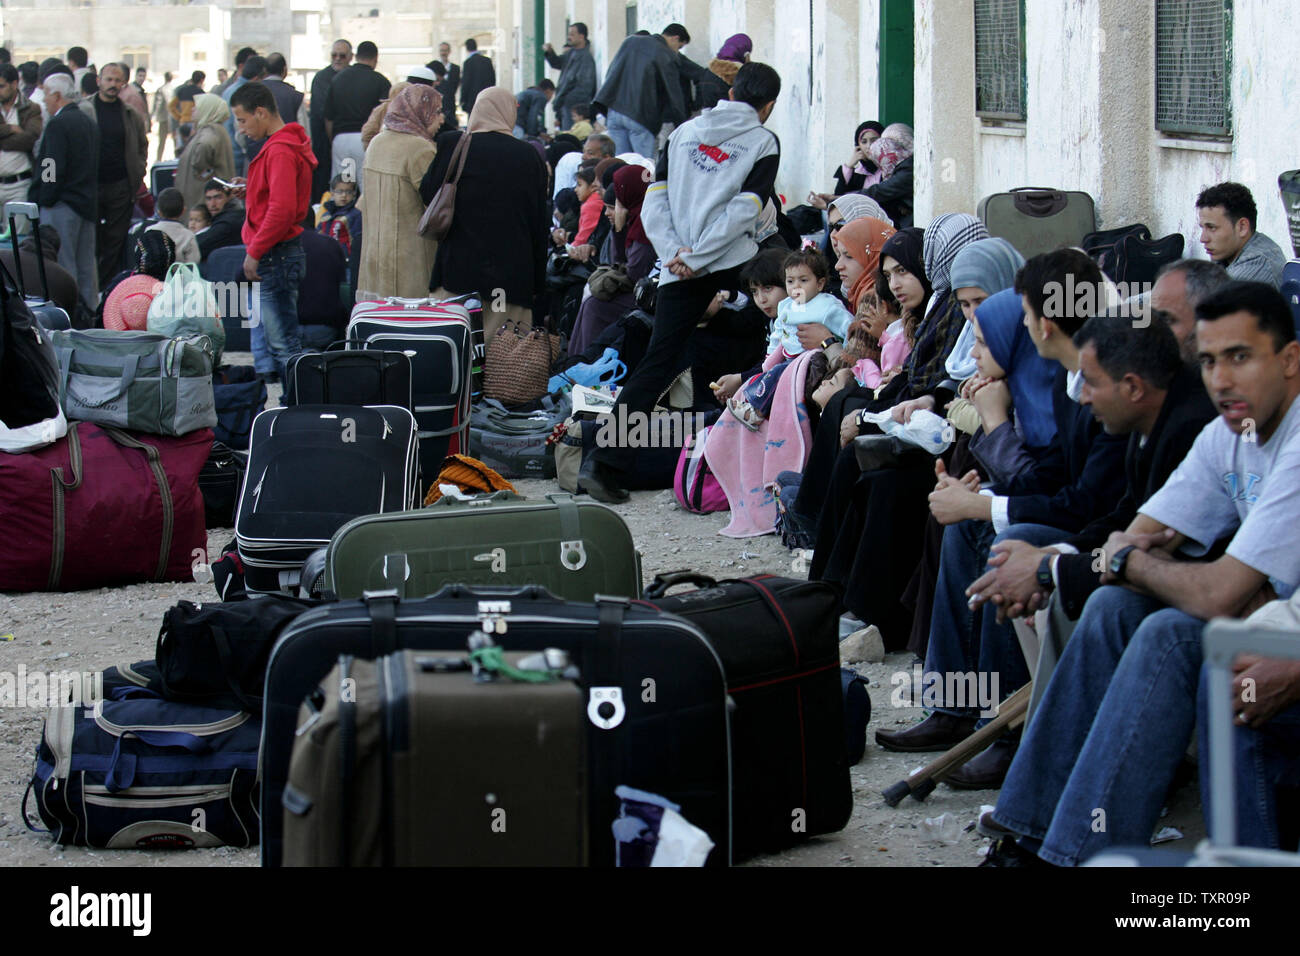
(395, 259)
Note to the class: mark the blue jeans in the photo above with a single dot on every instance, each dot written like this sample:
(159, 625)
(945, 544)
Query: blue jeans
(1263, 760)
(1095, 764)
(280, 272)
(964, 641)
(629, 135)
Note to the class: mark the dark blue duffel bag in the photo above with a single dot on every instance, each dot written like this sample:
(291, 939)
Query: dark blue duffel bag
(239, 395)
(142, 772)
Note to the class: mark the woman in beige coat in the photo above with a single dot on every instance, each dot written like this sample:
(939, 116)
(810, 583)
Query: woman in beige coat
(395, 258)
(208, 152)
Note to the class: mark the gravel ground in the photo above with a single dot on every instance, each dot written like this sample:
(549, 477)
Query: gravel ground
(91, 630)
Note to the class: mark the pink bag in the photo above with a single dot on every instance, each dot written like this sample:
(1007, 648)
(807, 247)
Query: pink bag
(694, 485)
(103, 507)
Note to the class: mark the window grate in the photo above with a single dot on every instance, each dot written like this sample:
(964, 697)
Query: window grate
(1000, 59)
(1194, 66)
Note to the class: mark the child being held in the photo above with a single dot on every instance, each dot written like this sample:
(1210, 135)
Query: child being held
(581, 127)
(806, 273)
(200, 218)
(806, 303)
(170, 207)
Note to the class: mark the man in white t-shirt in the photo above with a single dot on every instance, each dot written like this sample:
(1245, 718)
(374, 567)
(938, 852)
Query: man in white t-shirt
(20, 127)
(1097, 760)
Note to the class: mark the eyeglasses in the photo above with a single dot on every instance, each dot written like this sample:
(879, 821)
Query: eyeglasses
(837, 226)
(339, 56)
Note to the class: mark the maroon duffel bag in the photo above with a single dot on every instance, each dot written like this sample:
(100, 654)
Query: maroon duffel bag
(102, 507)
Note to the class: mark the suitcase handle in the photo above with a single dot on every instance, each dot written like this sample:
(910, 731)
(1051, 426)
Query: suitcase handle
(528, 592)
(662, 582)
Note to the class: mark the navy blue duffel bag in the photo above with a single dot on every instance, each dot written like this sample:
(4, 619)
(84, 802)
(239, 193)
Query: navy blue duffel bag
(146, 773)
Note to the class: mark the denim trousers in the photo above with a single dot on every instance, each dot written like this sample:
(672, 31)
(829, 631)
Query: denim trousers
(280, 274)
(630, 136)
(1263, 759)
(963, 641)
(1095, 764)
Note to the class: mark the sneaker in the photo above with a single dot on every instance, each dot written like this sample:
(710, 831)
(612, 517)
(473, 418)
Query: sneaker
(745, 413)
(1007, 852)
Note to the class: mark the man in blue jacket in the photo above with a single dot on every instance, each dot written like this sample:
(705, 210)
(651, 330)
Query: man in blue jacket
(700, 214)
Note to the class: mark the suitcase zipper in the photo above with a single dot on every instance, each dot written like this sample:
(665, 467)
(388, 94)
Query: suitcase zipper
(198, 730)
(142, 797)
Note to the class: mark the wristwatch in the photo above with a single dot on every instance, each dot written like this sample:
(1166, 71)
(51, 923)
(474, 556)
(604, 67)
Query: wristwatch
(831, 340)
(1044, 574)
(1119, 560)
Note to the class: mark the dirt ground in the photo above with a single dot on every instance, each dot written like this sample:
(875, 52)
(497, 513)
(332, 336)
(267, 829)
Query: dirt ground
(91, 630)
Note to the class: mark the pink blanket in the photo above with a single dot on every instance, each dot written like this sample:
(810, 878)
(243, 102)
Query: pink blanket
(746, 463)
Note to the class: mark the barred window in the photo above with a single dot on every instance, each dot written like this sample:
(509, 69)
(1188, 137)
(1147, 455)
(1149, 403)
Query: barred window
(1000, 59)
(1194, 66)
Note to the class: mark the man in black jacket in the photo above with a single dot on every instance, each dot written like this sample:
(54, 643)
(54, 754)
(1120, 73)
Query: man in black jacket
(476, 76)
(348, 103)
(227, 220)
(288, 101)
(69, 198)
(448, 74)
(643, 90)
(1080, 479)
(340, 57)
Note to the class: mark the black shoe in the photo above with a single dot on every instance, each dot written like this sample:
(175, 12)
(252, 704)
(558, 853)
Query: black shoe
(986, 770)
(600, 483)
(936, 732)
(269, 378)
(1007, 852)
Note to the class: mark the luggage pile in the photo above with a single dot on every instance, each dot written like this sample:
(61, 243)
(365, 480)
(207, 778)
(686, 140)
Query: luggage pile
(490, 660)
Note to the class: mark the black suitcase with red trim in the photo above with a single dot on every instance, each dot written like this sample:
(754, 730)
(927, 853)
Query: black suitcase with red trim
(778, 639)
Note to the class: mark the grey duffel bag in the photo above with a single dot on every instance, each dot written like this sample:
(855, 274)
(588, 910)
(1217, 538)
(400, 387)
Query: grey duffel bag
(140, 381)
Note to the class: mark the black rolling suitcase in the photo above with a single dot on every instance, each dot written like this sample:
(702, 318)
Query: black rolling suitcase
(653, 694)
(779, 643)
(418, 760)
(50, 316)
(353, 377)
(311, 469)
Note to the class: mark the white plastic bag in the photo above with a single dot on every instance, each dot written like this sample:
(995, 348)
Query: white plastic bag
(925, 430)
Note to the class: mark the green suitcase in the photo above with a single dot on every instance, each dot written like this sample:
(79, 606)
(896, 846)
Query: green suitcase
(574, 549)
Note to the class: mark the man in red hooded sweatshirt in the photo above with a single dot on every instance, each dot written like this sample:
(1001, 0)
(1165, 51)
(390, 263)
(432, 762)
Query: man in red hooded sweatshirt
(277, 196)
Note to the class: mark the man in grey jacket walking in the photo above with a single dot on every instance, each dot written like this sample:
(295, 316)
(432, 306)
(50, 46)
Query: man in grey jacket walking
(577, 68)
(701, 213)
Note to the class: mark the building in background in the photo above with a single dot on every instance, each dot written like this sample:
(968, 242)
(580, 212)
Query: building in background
(1138, 104)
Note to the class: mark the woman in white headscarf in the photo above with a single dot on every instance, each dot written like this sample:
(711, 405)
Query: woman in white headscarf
(208, 153)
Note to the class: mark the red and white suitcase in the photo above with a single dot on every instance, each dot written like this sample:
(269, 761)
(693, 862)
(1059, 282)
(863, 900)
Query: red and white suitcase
(437, 337)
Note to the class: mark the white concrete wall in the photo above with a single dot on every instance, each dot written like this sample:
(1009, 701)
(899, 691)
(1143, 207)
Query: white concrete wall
(1090, 123)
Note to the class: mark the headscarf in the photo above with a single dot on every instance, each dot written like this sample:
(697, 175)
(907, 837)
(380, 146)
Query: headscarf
(494, 111)
(900, 133)
(938, 331)
(1030, 377)
(566, 201)
(869, 124)
(629, 188)
(862, 240)
(604, 166)
(988, 264)
(736, 48)
(565, 170)
(560, 146)
(210, 110)
(854, 206)
(887, 153)
(946, 237)
(413, 111)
